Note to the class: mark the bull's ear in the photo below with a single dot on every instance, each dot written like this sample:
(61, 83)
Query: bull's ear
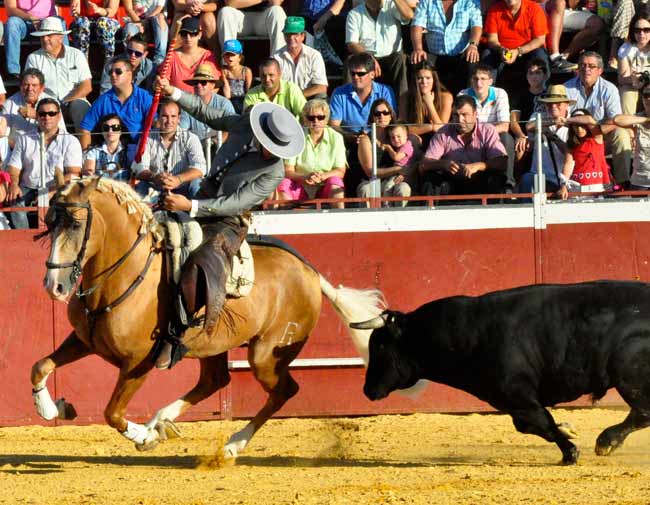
(59, 178)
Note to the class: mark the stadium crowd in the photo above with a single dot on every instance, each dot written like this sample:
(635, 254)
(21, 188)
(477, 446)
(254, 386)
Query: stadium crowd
(452, 87)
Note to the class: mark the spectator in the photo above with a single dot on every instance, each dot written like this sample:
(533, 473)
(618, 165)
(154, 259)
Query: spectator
(252, 17)
(63, 151)
(326, 20)
(144, 70)
(493, 107)
(24, 18)
(97, 17)
(173, 159)
(276, 90)
(319, 170)
(516, 32)
(205, 10)
(238, 78)
(375, 27)
(131, 103)
(634, 61)
(350, 103)
(452, 36)
(299, 63)
(466, 157)
(206, 86)
(640, 123)
(4, 186)
(185, 60)
(108, 153)
(66, 71)
(20, 109)
(601, 99)
(623, 12)
(148, 17)
(431, 108)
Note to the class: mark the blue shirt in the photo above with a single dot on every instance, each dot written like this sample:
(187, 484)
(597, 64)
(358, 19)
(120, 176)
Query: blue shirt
(132, 112)
(345, 105)
(603, 103)
(314, 9)
(200, 129)
(442, 38)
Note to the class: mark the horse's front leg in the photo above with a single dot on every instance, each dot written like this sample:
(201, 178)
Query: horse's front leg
(72, 349)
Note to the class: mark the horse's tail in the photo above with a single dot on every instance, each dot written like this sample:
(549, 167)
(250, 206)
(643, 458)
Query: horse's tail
(355, 305)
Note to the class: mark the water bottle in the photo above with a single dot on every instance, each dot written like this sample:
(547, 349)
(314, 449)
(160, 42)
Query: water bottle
(604, 10)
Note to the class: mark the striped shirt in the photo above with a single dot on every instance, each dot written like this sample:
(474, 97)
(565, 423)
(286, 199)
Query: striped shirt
(184, 153)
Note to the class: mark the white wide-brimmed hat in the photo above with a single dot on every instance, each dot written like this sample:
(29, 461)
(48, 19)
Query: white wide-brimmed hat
(51, 26)
(277, 130)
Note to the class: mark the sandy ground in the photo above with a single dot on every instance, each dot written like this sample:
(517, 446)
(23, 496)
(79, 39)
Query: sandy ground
(421, 459)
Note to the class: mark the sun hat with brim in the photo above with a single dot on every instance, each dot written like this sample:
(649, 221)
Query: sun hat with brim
(232, 46)
(556, 93)
(294, 24)
(277, 130)
(51, 26)
(205, 72)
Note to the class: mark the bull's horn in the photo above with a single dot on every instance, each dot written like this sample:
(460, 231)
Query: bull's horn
(58, 177)
(371, 324)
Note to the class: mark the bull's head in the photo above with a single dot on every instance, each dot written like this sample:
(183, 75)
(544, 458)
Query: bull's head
(389, 367)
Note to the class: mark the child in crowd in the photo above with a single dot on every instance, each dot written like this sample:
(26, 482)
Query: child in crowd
(401, 151)
(238, 78)
(109, 154)
(585, 168)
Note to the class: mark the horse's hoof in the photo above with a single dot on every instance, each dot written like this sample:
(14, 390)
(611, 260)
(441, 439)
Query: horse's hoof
(167, 429)
(568, 430)
(147, 446)
(229, 452)
(66, 410)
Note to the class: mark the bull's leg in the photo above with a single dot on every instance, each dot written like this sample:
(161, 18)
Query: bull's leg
(614, 436)
(214, 376)
(271, 369)
(72, 349)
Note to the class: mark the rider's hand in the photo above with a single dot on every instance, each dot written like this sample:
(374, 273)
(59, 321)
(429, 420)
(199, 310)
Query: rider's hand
(176, 202)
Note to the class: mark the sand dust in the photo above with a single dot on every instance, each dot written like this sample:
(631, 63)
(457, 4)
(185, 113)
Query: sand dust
(420, 459)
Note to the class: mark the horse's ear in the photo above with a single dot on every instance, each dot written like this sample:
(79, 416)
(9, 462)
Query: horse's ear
(89, 188)
(58, 178)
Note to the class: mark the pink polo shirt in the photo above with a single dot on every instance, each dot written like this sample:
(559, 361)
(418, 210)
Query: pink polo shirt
(38, 8)
(447, 144)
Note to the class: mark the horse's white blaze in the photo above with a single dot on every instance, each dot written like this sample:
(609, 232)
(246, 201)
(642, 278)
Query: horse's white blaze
(45, 407)
(52, 275)
(239, 441)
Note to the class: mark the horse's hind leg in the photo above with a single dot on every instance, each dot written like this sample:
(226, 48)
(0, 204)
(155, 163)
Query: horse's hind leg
(72, 349)
(271, 368)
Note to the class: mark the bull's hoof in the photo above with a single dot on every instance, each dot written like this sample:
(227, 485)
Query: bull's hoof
(605, 445)
(570, 457)
(66, 410)
(147, 446)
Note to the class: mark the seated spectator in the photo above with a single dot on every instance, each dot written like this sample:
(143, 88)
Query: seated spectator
(206, 86)
(585, 167)
(493, 107)
(63, 151)
(600, 97)
(452, 36)
(24, 18)
(4, 185)
(622, 14)
(431, 102)
(20, 108)
(640, 124)
(144, 70)
(326, 20)
(98, 18)
(5, 148)
(350, 103)
(107, 155)
(205, 10)
(634, 61)
(577, 18)
(465, 157)
(252, 17)
(185, 60)
(237, 78)
(299, 63)
(275, 89)
(66, 71)
(3, 92)
(148, 17)
(318, 172)
(516, 32)
(173, 159)
(375, 27)
(131, 103)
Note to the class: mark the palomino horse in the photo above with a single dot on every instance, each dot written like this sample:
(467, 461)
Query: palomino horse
(100, 229)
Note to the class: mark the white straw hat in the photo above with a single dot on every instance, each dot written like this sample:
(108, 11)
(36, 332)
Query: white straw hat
(51, 26)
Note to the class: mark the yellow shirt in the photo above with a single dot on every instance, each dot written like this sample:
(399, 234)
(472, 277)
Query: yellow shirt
(290, 97)
(327, 155)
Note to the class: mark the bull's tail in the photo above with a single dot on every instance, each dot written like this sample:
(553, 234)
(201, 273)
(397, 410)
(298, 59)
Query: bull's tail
(355, 305)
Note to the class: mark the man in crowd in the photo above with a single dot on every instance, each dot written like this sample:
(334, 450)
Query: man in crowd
(465, 157)
(173, 159)
(275, 89)
(66, 71)
(144, 70)
(299, 63)
(375, 27)
(252, 17)
(62, 151)
(640, 123)
(130, 102)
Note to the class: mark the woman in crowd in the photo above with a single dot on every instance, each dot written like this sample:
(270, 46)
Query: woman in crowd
(317, 172)
(634, 61)
(108, 155)
(98, 17)
(431, 107)
(206, 11)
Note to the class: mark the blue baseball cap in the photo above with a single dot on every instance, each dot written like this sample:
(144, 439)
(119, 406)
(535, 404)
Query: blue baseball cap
(232, 46)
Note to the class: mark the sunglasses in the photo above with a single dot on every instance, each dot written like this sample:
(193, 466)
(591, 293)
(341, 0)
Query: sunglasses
(134, 52)
(359, 74)
(201, 83)
(379, 113)
(111, 127)
(589, 65)
(314, 117)
(50, 113)
(186, 33)
(117, 71)
(641, 30)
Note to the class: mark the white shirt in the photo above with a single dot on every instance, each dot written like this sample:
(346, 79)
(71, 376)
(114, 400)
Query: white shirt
(18, 124)
(309, 71)
(185, 152)
(3, 91)
(62, 75)
(380, 37)
(63, 152)
(494, 109)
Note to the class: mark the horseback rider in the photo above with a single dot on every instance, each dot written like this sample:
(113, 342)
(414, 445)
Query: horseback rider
(246, 170)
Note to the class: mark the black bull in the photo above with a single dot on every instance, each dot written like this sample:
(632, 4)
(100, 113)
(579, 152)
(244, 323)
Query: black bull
(524, 349)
